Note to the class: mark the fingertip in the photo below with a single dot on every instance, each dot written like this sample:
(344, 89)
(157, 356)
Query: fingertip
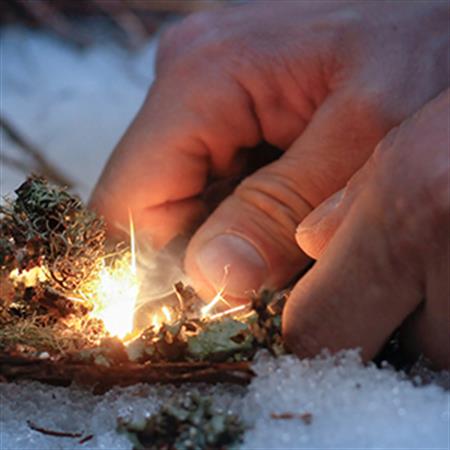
(228, 262)
(315, 231)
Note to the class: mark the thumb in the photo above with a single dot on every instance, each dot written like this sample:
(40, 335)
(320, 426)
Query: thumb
(253, 231)
(251, 234)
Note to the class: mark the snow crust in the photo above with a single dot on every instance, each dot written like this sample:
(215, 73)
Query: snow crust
(75, 106)
(353, 407)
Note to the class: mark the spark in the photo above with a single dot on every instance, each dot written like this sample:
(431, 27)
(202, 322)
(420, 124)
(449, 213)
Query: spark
(234, 310)
(132, 243)
(217, 298)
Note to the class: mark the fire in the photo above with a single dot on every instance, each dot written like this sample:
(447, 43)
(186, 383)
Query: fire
(115, 292)
(167, 314)
(115, 297)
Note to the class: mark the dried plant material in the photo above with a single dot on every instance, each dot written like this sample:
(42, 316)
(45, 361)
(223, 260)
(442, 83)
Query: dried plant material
(101, 376)
(62, 295)
(191, 423)
(31, 337)
(265, 322)
(221, 340)
(47, 227)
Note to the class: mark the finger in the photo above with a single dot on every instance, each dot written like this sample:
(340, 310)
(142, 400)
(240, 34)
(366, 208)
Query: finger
(359, 291)
(175, 142)
(426, 332)
(253, 231)
(317, 229)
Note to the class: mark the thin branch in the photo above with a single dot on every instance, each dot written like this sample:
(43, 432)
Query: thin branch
(47, 432)
(125, 19)
(64, 372)
(44, 13)
(43, 166)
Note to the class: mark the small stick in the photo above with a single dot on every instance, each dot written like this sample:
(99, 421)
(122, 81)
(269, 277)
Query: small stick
(86, 438)
(43, 166)
(35, 427)
(44, 13)
(129, 22)
(64, 372)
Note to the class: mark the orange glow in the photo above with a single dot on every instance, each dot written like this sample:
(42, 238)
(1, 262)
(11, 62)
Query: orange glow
(114, 292)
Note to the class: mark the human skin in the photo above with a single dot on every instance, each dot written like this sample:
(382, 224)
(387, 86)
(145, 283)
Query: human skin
(383, 250)
(323, 81)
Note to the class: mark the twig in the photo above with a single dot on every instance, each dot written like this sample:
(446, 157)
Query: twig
(85, 439)
(125, 18)
(43, 166)
(44, 13)
(64, 372)
(47, 432)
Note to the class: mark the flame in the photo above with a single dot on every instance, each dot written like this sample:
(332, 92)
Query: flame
(115, 297)
(167, 313)
(155, 322)
(115, 292)
(30, 277)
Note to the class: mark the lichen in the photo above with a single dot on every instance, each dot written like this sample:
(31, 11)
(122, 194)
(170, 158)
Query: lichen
(190, 423)
(47, 226)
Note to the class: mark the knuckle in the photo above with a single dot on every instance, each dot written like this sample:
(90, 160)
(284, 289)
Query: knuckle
(168, 41)
(177, 37)
(276, 196)
(199, 23)
(188, 48)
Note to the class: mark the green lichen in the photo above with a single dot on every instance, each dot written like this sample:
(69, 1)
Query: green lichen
(190, 423)
(47, 226)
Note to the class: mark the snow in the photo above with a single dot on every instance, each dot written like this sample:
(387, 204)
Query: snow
(75, 106)
(353, 407)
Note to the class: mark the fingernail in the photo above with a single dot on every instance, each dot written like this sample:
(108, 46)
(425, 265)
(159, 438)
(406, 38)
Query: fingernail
(232, 262)
(312, 220)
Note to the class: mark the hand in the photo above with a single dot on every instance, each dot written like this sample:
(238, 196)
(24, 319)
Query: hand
(322, 81)
(383, 251)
